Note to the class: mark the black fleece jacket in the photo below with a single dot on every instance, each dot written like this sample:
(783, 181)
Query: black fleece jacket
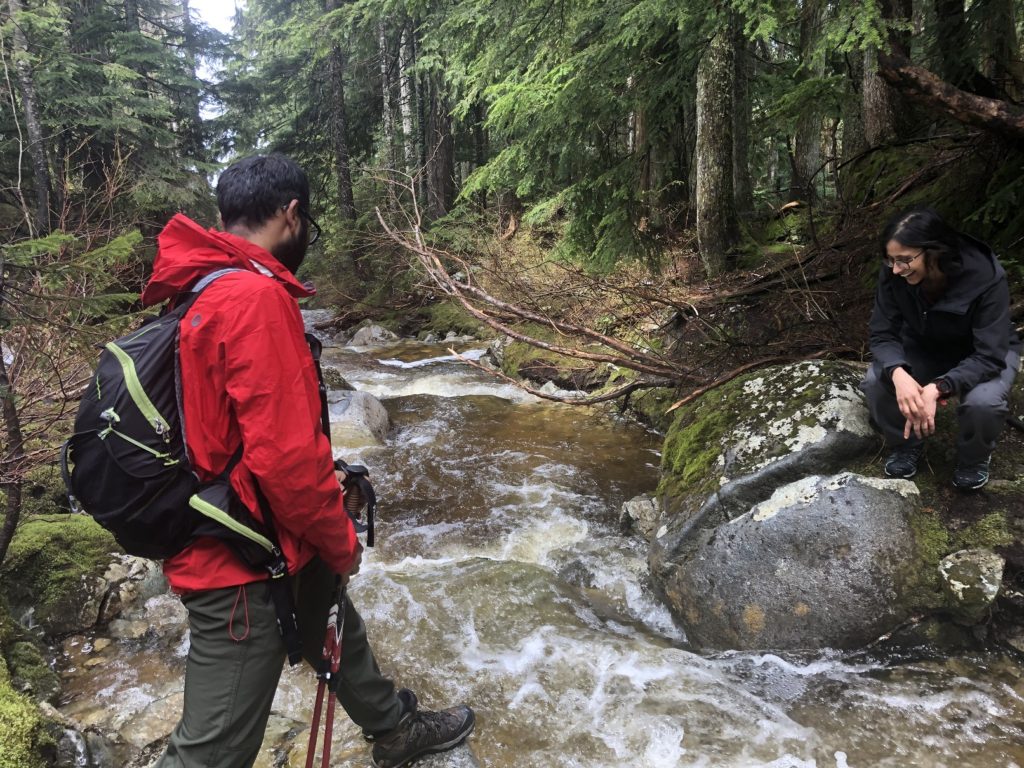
(968, 330)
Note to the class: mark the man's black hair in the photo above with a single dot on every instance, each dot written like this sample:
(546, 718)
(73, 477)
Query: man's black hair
(251, 191)
(922, 227)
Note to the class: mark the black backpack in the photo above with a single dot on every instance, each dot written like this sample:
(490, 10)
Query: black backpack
(130, 469)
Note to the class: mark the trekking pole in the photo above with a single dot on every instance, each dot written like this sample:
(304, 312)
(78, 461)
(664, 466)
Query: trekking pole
(330, 661)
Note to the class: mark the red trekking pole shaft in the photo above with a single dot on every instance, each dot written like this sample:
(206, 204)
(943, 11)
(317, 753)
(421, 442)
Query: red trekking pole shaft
(330, 661)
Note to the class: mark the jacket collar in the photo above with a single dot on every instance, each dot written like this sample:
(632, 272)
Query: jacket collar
(186, 252)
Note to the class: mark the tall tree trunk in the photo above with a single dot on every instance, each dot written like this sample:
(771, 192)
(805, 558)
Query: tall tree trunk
(1000, 53)
(853, 141)
(131, 15)
(339, 127)
(882, 103)
(952, 51)
(440, 168)
(12, 457)
(29, 106)
(742, 182)
(406, 60)
(480, 145)
(387, 115)
(807, 141)
(193, 141)
(717, 230)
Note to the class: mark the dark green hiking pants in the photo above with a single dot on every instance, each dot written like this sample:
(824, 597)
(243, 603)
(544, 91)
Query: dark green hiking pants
(235, 660)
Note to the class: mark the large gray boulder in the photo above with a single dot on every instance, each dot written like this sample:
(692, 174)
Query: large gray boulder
(824, 562)
(371, 335)
(358, 419)
(734, 446)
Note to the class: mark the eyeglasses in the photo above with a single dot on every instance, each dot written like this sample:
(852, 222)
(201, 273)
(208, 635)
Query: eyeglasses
(316, 227)
(305, 214)
(891, 263)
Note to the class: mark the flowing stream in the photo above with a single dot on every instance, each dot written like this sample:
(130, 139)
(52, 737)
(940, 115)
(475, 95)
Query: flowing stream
(500, 579)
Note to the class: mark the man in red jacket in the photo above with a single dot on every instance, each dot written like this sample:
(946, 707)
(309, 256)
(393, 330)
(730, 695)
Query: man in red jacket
(248, 378)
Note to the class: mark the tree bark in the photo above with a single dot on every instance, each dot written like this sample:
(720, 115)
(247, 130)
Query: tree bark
(924, 87)
(339, 127)
(1000, 53)
(12, 457)
(440, 170)
(33, 125)
(406, 60)
(952, 43)
(717, 230)
(882, 107)
(194, 143)
(387, 115)
(807, 141)
(743, 184)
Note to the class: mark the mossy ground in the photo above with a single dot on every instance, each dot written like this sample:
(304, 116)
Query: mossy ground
(49, 557)
(26, 739)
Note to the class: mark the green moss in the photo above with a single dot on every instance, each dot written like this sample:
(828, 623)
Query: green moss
(48, 559)
(933, 541)
(989, 532)
(692, 446)
(24, 739)
(449, 316)
(30, 673)
(651, 406)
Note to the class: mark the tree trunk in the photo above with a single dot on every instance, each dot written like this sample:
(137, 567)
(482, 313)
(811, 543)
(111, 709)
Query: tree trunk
(131, 15)
(13, 457)
(29, 102)
(480, 145)
(193, 141)
(387, 115)
(339, 127)
(807, 140)
(1000, 54)
(717, 231)
(440, 153)
(882, 103)
(952, 43)
(406, 60)
(853, 142)
(743, 184)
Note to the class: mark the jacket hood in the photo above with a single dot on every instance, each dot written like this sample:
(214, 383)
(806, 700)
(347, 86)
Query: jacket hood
(186, 252)
(981, 270)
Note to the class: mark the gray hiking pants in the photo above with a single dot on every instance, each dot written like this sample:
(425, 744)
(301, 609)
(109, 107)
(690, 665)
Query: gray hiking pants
(980, 415)
(235, 660)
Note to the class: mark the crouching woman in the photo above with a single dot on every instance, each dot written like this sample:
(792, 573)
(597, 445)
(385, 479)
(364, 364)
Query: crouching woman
(940, 330)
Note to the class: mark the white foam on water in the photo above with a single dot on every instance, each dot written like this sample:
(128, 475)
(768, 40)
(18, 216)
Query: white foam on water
(470, 354)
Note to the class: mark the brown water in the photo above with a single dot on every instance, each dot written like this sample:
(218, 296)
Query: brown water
(500, 579)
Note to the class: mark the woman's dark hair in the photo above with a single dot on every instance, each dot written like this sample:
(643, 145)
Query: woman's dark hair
(922, 227)
(250, 191)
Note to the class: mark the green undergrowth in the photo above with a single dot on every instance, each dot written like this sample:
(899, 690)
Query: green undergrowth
(26, 736)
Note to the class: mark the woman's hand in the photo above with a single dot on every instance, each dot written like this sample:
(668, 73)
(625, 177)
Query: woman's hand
(916, 403)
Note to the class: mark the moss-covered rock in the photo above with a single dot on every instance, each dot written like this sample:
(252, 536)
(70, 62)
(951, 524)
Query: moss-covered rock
(450, 317)
(54, 569)
(527, 361)
(735, 445)
(26, 736)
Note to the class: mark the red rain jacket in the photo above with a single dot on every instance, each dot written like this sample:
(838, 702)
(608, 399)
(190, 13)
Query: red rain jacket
(247, 375)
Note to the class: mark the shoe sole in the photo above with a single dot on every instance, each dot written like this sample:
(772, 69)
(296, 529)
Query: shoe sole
(974, 487)
(459, 738)
(895, 476)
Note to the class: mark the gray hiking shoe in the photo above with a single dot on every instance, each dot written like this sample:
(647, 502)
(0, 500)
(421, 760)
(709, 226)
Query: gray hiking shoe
(421, 732)
(902, 462)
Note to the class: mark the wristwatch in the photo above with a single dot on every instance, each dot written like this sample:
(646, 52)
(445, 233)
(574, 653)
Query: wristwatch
(944, 386)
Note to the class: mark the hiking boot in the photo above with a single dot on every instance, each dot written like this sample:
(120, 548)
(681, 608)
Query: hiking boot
(421, 732)
(971, 477)
(902, 462)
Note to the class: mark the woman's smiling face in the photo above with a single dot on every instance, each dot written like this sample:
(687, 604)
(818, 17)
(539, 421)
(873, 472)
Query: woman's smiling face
(906, 262)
